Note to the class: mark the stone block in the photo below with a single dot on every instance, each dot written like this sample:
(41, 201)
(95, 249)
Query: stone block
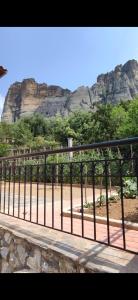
(4, 252)
(22, 254)
(5, 268)
(7, 237)
(35, 261)
(13, 261)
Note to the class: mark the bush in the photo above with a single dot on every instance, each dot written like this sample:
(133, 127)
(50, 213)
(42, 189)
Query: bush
(113, 198)
(88, 205)
(4, 150)
(129, 187)
(102, 199)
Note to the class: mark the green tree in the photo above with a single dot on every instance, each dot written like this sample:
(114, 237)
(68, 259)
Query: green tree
(21, 133)
(129, 126)
(6, 130)
(4, 150)
(119, 116)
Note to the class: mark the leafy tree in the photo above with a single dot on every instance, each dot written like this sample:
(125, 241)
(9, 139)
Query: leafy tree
(6, 130)
(85, 127)
(119, 116)
(21, 133)
(4, 150)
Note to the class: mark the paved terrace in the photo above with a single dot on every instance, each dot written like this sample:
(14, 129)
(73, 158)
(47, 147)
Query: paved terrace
(94, 257)
(116, 236)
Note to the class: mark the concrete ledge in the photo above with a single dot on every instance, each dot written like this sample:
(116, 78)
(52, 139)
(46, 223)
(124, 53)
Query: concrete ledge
(49, 251)
(101, 220)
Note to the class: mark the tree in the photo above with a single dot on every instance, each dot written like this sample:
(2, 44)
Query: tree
(4, 150)
(38, 124)
(6, 130)
(119, 116)
(81, 123)
(21, 133)
(103, 127)
(129, 126)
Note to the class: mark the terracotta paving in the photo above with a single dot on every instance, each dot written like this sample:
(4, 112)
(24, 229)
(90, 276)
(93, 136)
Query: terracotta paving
(116, 235)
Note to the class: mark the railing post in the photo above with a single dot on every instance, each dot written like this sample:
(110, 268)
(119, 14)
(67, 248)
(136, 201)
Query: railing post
(122, 206)
(45, 179)
(107, 204)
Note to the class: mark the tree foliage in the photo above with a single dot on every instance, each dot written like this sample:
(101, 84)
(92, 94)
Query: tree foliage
(107, 122)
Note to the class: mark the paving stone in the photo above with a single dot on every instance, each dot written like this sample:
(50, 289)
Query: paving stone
(13, 261)
(22, 253)
(35, 261)
(7, 237)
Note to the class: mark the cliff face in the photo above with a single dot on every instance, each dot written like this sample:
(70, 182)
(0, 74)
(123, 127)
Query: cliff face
(26, 97)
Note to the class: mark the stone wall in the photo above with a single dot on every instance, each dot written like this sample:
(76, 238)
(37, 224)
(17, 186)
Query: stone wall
(17, 255)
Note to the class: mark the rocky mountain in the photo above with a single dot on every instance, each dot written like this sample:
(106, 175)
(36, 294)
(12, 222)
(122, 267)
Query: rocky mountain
(27, 97)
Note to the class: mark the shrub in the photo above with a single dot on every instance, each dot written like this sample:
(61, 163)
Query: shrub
(101, 200)
(129, 187)
(4, 150)
(88, 205)
(113, 198)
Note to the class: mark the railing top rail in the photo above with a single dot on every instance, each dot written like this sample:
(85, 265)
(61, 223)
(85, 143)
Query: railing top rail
(107, 144)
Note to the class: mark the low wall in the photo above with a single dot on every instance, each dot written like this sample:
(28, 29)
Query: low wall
(17, 255)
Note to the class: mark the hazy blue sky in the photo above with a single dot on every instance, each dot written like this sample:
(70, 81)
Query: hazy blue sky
(65, 56)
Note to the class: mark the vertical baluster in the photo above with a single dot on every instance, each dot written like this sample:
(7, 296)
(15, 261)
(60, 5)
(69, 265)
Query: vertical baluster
(9, 190)
(24, 213)
(13, 186)
(107, 204)
(71, 198)
(53, 173)
(31, 167)
(81, 181)
(45, 179)
(37, 193)
(94, 208)
(19, 179)
(4, 184)
(122, 205)
(61, 187)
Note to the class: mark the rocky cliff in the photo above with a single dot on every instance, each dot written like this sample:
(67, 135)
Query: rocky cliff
(26, 97)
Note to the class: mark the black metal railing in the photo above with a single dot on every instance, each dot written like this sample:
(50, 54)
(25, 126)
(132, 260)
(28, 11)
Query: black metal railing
(95, 198)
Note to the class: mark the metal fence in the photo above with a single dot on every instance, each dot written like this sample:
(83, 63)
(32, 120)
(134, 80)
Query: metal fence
(94, 198)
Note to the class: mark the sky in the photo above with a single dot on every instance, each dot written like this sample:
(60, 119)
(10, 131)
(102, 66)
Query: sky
(66, 56)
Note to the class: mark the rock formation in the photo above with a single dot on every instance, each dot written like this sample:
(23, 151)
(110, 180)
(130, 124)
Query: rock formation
(27, 97)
